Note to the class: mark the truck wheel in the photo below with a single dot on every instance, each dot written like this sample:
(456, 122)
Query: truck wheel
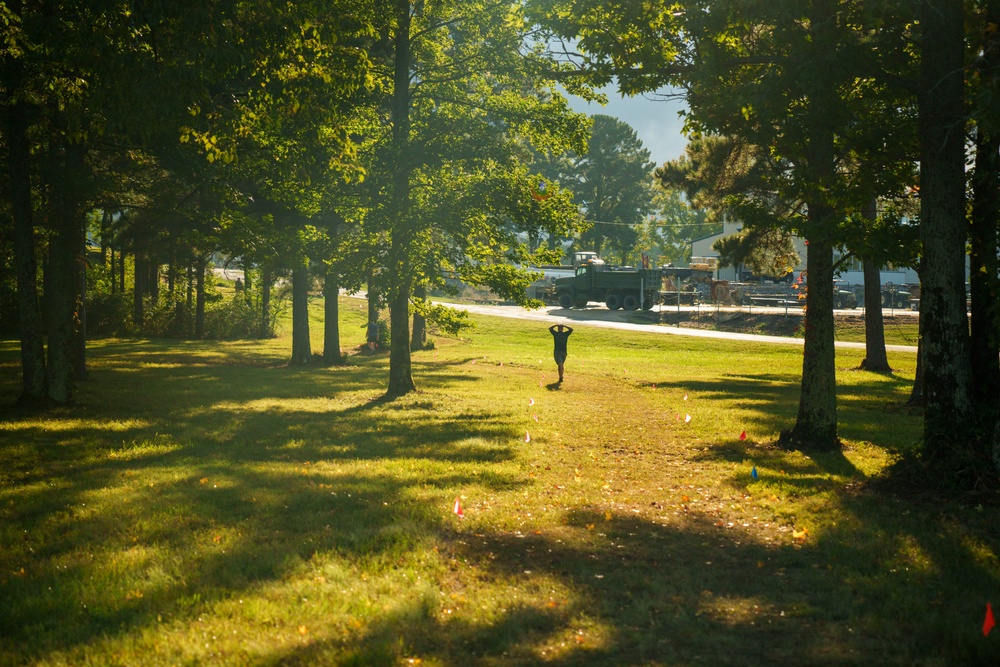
(613, 302)
(581, 302)
(630, 302)
(566, 300)
(648, 303)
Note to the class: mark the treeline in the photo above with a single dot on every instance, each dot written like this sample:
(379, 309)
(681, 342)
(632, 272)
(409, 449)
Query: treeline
(380, 143)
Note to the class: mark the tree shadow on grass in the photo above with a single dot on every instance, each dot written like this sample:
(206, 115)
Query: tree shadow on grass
(229, 498)
(640, 592)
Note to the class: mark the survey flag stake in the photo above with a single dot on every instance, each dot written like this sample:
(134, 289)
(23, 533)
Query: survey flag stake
(753, 473)
(743, 435)
(458, 508)
(988, 622)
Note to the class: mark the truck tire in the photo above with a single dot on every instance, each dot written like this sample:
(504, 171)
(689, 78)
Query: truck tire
(630, 302)
(614, 301)
(566, 300)
(648, 303)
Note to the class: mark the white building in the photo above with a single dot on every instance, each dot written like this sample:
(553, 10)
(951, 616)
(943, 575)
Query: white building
(851, 271)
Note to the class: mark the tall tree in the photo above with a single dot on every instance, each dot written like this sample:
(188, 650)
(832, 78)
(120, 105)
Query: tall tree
(613, 187)
(984, 227)
(467, 95)
(947, 369)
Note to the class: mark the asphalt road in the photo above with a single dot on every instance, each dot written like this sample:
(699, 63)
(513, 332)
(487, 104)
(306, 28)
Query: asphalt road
(601, 317)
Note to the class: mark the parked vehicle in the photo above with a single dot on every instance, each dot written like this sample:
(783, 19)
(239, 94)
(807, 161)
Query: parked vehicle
(594, 280)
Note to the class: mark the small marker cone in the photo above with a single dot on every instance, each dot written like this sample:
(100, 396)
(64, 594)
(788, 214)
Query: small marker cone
(535, 416)
(458, 508)
(527, 437)
(685, 397)
(531, 401)
(988, 622)
(687, 419)
(743, 435)
(753, 473)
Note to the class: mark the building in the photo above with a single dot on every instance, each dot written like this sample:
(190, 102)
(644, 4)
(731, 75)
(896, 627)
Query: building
(851, 271)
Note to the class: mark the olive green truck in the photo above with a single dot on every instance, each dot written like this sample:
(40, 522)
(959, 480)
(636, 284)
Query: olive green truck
(594, 280)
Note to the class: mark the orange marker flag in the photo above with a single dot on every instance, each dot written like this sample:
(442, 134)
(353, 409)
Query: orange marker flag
(458, 508)
(743, 435)
(988, 622)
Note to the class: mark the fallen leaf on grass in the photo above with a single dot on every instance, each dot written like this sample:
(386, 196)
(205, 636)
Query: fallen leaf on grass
(800, 535)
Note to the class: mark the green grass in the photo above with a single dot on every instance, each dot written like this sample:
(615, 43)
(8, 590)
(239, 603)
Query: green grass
(205, 504)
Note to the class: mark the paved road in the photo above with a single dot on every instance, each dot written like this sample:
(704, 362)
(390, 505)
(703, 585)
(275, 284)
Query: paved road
(600, 317)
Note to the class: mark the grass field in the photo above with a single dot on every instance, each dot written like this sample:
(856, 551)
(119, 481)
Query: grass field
(204, 504)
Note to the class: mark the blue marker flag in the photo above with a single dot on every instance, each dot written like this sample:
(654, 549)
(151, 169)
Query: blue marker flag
(753, 473)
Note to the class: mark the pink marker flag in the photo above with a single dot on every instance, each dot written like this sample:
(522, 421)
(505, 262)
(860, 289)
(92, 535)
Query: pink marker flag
(685, 397)
(743, 435)
(535, 416)
(988, 622)
(527, 437)
(531, 401)
(687, 419)
(458, 508)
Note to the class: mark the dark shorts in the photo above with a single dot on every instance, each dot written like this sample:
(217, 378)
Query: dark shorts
(560, 357)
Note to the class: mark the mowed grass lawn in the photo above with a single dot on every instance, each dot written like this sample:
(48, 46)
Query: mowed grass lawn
(203, 504)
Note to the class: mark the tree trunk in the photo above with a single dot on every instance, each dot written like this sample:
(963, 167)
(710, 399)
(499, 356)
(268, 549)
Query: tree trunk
(301, 351)
(153, 280)
(331, 319)
(33, 378)
(190, 299)
(984, 264)
(916, 399)
(138, 290)
(816, 424)
(80, 337)
(265, 301)
(947, 371)
(65, 255)
(400, 371)
(372, 297)
(875, 359)
(400, 365)
(199, 290)
(419, 336)
(121, 271)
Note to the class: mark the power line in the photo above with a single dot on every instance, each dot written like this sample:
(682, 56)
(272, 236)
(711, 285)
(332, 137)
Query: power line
(640, 224)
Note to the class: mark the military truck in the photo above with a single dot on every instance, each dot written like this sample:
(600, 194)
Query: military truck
(594, 280)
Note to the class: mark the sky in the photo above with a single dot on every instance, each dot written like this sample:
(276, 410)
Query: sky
(654, 120)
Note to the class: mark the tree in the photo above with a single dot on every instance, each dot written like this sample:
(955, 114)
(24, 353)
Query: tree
(674, 225)
(465, 94)
(947, 368)
(612, 184)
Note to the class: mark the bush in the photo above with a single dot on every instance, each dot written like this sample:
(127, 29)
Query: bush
(240, 317)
